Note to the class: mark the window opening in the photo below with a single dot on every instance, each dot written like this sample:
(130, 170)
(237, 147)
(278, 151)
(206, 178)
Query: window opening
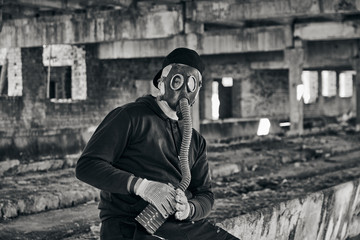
(222, 98)
(310, 86)
(299, 91)
(52, 90)
(328, 83)
(66, 72)
(346, 83)
(264, 127)
(215, 102)
(60, 83)
(227, 81)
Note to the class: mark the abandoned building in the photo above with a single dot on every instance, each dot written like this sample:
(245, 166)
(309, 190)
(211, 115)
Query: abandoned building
(273, 68)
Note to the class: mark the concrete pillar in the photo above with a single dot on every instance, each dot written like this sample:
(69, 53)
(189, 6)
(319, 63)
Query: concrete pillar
(236, 98)
(356, 66)
(244, 74)
(192, 29)
(295, 59)
(34, 90)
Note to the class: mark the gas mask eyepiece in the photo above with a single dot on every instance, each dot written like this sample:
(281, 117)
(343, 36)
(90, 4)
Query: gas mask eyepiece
(177, 81)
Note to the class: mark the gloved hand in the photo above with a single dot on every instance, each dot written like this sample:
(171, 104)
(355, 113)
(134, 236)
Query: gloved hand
(184, 209)
(161, 195)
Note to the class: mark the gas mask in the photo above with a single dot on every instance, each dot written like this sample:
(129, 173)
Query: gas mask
(179, 81)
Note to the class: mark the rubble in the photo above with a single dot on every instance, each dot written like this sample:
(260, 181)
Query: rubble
(247, 177)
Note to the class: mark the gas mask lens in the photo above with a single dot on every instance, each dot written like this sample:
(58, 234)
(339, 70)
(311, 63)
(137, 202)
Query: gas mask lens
(191, 84)
(178, 80)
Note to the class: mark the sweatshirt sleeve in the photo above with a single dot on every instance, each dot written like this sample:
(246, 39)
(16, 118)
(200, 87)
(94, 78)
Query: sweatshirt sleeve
(95, 165)
(200, 186)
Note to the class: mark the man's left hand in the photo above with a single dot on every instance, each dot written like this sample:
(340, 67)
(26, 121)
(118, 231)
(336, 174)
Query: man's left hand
(182, 206)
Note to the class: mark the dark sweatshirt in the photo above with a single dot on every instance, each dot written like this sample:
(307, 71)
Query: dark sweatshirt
(139, 139)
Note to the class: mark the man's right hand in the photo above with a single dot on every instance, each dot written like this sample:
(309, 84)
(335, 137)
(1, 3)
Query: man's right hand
(161, 195)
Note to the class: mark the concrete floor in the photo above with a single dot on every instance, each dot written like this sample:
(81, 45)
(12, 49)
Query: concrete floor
(247, 175)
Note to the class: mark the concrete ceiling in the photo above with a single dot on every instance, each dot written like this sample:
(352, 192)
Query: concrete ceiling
(204, 10)
(12, 9)
(36, 22)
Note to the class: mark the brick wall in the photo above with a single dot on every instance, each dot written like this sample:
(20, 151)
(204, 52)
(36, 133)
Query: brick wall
(32, 125)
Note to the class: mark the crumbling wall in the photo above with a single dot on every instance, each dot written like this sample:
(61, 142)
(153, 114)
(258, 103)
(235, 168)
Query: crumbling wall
(265, 94)
(33, 125)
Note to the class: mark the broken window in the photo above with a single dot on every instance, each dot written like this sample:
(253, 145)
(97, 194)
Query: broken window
(221, 99)
(60, 83)
(346, 84)
(310, 86)
(66, 69)
(328, 83)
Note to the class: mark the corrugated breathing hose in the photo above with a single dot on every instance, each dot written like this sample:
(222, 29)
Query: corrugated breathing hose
(150, 218)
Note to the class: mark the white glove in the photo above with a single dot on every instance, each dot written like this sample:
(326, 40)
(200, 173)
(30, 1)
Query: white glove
(161, 195)
(184, 209)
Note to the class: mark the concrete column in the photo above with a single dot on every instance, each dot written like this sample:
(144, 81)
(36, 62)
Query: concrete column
(244, 74)
(295, 59)
(192, 29)
(34, 87)
(356, 66)
(236, 98)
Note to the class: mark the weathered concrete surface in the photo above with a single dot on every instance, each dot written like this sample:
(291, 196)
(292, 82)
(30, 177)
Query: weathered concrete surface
(91, 27)
(334, 31)
(268, 181)
(329, 214)
(56, 224)
(255, 39)
(232, 128)
(224, 11)
(42, 191)
(14, 166)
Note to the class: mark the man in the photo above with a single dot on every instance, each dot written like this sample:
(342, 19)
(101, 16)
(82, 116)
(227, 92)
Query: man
(149, 163)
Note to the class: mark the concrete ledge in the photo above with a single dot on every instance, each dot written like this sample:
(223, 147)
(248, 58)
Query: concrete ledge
(235, 127)
(39, 192)
(333, 213)
(14, 167)
(56, 224)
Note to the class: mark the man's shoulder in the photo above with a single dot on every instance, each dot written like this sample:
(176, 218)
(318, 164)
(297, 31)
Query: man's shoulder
(135, 108)
(199, 139)
(126, 109)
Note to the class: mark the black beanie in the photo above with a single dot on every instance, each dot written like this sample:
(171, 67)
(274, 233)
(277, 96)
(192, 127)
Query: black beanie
(184, 56)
